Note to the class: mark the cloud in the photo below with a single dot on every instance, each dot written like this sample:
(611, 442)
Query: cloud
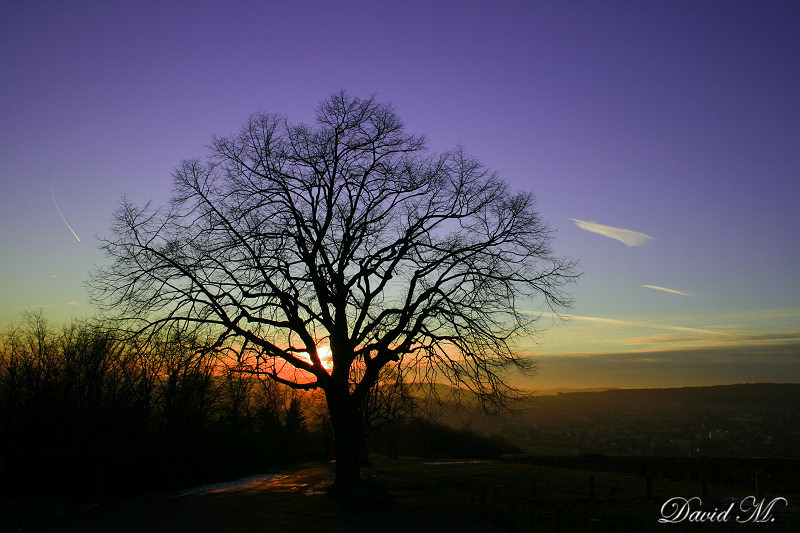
(712, 338)
(671, 291)
(636, 323)
(587, 333)
(625, 236)
(601, 335)
(681, 367)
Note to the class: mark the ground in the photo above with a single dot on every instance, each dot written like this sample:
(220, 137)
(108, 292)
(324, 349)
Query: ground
(437, 496)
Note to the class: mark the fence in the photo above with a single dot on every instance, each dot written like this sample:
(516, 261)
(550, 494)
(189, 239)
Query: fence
(525, 511)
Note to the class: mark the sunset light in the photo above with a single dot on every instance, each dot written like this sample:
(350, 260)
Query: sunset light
(643, 149)
(555, 244)
(325, 356)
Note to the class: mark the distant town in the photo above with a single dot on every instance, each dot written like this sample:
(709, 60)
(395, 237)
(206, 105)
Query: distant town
(750, 420)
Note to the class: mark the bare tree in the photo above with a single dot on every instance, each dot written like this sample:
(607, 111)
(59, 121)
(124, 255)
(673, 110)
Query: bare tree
(345, 234)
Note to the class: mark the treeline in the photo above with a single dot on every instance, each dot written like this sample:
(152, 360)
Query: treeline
(83, 411)
(87, 412)
(774, 395)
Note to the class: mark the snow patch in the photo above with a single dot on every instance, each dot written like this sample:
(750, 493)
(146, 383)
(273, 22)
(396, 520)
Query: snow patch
(227, 485)
(452, 462)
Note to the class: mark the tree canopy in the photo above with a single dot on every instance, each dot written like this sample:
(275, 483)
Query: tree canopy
(348, 234)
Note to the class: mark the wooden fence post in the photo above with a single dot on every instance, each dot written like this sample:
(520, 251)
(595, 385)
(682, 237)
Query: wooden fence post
(759, 486)
(472, 494)
(512, 512)
(531, 515)
(703, 484)
(561, 519)
(495, 503)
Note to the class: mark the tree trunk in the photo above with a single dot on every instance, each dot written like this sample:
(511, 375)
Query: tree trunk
(347, 436)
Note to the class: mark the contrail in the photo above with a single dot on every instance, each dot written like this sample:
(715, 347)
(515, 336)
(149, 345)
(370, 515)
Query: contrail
(53, 194)
(671, 291)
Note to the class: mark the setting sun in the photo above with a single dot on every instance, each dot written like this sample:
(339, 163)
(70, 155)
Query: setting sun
(325, 356)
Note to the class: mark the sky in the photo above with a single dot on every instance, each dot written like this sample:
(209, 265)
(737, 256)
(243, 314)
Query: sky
(661, 140)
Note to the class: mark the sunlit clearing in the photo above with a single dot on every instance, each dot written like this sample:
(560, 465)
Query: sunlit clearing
(325, 356)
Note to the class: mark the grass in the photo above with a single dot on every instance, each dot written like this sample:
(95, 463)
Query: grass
(424, 497)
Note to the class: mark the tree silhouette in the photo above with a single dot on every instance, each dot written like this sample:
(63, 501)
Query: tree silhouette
(295, 429)
(345, 233)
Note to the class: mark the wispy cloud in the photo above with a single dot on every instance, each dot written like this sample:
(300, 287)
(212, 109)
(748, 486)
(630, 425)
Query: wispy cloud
(644, 324)
(630, 323)
(711, 338)
(600, 335)
(625, 236)
(677, 367)
(671, 291)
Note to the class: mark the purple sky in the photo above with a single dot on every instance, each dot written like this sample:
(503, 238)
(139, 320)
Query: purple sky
(676, 121)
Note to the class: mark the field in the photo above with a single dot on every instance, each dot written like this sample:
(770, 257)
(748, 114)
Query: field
(437, 496)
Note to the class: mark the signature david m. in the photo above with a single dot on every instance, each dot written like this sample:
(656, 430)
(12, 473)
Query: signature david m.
(750, 509)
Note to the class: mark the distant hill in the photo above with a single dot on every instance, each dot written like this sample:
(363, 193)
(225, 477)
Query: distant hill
(565, 390)
(600, 398)
(758, 394)
(562, 403)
